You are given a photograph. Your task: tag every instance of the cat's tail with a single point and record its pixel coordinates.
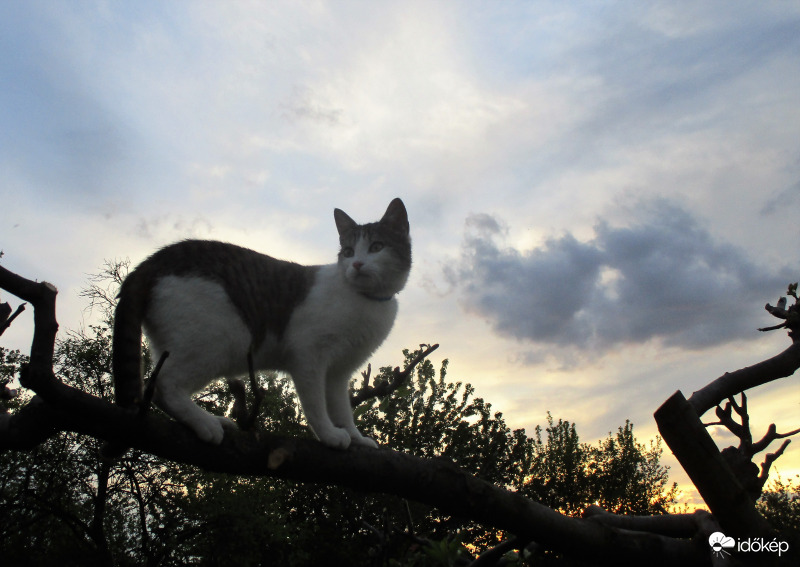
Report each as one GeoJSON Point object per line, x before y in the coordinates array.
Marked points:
{"type": "Point", "coordinates": [126, 357]}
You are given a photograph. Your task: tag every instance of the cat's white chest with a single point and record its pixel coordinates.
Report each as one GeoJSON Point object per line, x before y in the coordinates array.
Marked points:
{"type": "Point", "coordinates": [338, 325]}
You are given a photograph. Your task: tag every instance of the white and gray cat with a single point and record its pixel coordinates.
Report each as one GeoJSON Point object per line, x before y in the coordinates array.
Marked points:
{"type": "Point", "coordinates": [208, 303]}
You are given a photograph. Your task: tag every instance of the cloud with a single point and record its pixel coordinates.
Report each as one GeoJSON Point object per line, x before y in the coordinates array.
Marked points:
{"type": "Point", "coordinates": [784, 199]}
{"type": "Point", "coordinates": [304, 104]}
{"type": "Point", "coordinates": [661, 277]}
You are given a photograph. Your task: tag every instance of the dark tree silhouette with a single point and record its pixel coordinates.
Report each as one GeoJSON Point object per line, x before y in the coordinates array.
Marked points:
{"type": "Point", "coordinates": [600, 537]}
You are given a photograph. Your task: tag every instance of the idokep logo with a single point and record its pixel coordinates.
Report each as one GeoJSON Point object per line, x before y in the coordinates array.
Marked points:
{"type": "Point", "coordinates": [720, 544]}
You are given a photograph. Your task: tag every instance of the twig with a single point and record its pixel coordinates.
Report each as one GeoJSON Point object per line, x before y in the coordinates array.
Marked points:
{"type": "Point", "coordinates": [409, 519]}
{"type": "Point", "coordinates": [790, 314]}
{"type": "Point", "coordinates": [150, 388]}
{"type": "Point", "coordinates": [111, 450]}
{"type": "Point", "coordinates": [379, 534]}
{"type": "Point", "coordinates": [258, 392]}
{"type": "Point", "coordinates": [493, 555]}
{"type": "Point", "coordinates": [246, 420]}
{"type": "Point", "coordinates": [773, 328]}
{"type": "Point", "coordinates": [365, 375]}
{"type": "Point", "coordinates": [239, 393]}
{"type": "Point", "coordinates": [385, 388]}
{"type": "Point", "coordinates": [771, 458]}
{"type": "Point", "coordinates": [7, 322]}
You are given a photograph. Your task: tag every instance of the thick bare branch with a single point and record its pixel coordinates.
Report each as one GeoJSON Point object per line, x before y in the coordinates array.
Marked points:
{"type": "Point", "coordinates": [435, 482]}
{"type": "Point", "coordinates": [732, 383]}
{"type": "Point", "coordinates": [711, 474]}
{"type": "Point", "coordinates": [780, 366]}
{"type": "Point", "coordinates": [43, 297]}
{"type": "Point", "coordinates": [673, 525]}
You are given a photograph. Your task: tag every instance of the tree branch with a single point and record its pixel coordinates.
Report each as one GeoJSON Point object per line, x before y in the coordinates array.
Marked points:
{"type": "Point", "coordinates": [492, 556]}
{"type": "Point", "coordinates": [771, 435]}
{"type": "Point", "coordinates": [672, 525]}
{"type": "Point", "coordinates": [729, 501]}
{"type": "Point", "coordinates": [771, 458]}
{"type": "Point", "coordinates": [740, 458]}
{"type": "Point", "coordinates": [384, 388]}
{"type": "Point", "coordinates": [5, 319]}
{"type": "Point", "coordinates": [732, 383]}
{"type": "Point", "coordinates": [791, 315]}
{"type": "Point", "coordinates": [435, 482]}
{"type": "Point", "coordinates": [58, 407]}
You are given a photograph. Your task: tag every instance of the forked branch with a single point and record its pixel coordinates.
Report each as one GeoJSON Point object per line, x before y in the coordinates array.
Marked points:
{"type": "Point", "coordinates": [387, 387]}
{"type": "Point", "coordinates": [740, 458]}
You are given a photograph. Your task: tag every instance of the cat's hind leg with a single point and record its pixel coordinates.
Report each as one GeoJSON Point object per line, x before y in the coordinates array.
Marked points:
{"type": "Point", "coordinates": [185, 373]}
{"type": "Point", "coordinates": [177, 402]}
{"type": "Point", "coordinates": [195, 321]}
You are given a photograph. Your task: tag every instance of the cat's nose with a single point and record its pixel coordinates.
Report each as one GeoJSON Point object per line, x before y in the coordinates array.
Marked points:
{"type": "Point", "coordinates": [357, 265]}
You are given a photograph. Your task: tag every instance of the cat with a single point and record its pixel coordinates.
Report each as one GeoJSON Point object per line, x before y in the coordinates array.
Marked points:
{"type": "Point", "coordinates": [208, 303]}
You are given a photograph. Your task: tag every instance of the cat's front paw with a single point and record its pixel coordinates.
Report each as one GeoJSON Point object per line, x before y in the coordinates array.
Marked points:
{"type": "Point", "coordinates": [364, 441]}
{"type": "Point", "coordinates": [336, 437]}
{"type": "Point", "coordinates": [212, 430]}
{"type": "Point", "coordinates": [226, 422]}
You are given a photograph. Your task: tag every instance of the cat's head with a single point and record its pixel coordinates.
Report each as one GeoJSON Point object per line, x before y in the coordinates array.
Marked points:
{"type": "Point", "coordinates": [375, 258]}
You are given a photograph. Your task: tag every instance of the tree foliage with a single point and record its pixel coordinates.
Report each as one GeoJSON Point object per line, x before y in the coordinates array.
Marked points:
{"type": "Point", "coordinates": [618, 473]}
{"type": "Point", "coordinates": [143, 510]}
{"type": "Point", "coordinates": [780, 504]}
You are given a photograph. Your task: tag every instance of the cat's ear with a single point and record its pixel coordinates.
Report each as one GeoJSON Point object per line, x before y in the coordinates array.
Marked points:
{"type": "Point", "coordinates": [396, 216]}
{"type": "Point", "coordinates": [344, 223]}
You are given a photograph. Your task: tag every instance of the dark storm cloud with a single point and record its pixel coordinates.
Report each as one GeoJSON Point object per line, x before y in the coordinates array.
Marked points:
{"type": "Point", "coordinates": [663, 276]}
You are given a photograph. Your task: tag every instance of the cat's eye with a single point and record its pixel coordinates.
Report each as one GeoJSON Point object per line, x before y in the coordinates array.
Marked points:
{"type": "Point", "coordinates": [347, 252]}
{"type": "Point", "coordinates": [376, 247]}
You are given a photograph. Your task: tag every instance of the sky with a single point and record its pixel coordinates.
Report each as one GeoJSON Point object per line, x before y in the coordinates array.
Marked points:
{"type": "Point", "coordinates": [602, 195]}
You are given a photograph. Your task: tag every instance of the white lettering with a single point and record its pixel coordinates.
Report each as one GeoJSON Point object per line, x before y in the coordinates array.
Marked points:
{"type": "Point", "coordinates": [759, 545]}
